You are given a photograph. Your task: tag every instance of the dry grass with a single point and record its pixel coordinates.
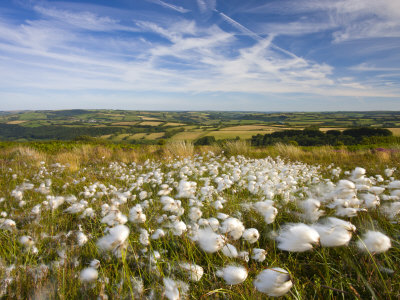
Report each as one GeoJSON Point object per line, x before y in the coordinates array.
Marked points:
{"type": "Point", "coordinates": [151, 123]}
{"type": "Point", "coordinates": [155, 135]}
{"type": "Point", "coordinates": [27, 154]}
{"type": "Point", "coordinates": [187, 135]}
{"type": "Point", "coordinates": [179, 149]}
{"type": "Point", "coordinates": [396, 131]}
{"type": "Point", "coordinates": [125, 123]}
{"type": "Point", "coordinates": [239, 147]}
{"type": "Point", "coordinates": [247, 127]}
{"type": "Point", "coordinates": [16, 122]}
{"type": "Point", "coordinates": [289, 151]}
{"type": "Point", "coordinates": [174, 124]}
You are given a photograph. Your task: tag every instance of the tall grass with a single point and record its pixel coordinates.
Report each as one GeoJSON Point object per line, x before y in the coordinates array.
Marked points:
{"type": "Point", "coordinates": [337, 273]}
{"type": "Point", "coordinates": [179, 149]}
{"type": "Point", "coordinates": [237, 147]}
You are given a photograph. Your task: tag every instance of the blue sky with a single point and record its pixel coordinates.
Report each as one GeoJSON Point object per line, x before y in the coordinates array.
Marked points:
{"type": "Point", "coordinates": [282, 55]}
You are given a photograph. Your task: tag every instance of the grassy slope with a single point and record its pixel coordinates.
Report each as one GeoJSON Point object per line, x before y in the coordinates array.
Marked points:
{"type": "Point", "coordinates": [320, 274]}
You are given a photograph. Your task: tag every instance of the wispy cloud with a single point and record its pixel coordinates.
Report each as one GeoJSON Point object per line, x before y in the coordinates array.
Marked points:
{"type": "Point", "coordinates": [83, 20]}
{"type": "Point", "coordinates": [83, 52]}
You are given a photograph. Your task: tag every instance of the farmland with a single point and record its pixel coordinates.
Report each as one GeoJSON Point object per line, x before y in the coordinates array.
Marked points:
{"type": "Point", "coordinates": [151, 126]}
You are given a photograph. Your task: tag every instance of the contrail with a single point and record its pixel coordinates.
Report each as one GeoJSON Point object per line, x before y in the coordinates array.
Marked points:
{"type": "Point", "coordinates": [171, 6]}
{"type": "Point", "coordinates": [252, 34]}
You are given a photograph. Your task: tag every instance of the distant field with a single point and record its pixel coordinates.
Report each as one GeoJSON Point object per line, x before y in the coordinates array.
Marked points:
{"type": "Point", "coordinates": [149, 118]}
{"type": "Point", "coordinates": [151, 123]}
{"type": "Point", "coordinates": [189, 135]}
{"type": "Point", "coordinates": [174, 124]}
{"type": "Point", "coordinates": [115, 124]}
{"type": "Point", "coordinates": [396, 131]}
{"type": "Point", "coordinates": [155, 135]}
{"type": "Point", "coordinates": [247, 127]}
{"type": "Point", "coordinates": [16, 122]}
{"type": "Point", "coordinates": [325, 129]}
{"type": "Point", "coordinates": [137, 136]}
{"type": "Point", "coordinates": [125, 123]}
{"type": "Point", "coordinates": [220, 135]}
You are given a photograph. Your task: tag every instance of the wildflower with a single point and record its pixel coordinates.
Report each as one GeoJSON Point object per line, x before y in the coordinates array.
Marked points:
{"type": "Point", "coordinates": [158, 234]}
{"type": "Point", "coordinates": [230, 251]}
{"type": "Point", "coordinates": [136, 214]}
{"type": "Point", "coordinates": [89, 275]}
{"type": "Point", "coordinates": [233, 227]}
{"type": "Point", "coordinates": [195, 271]}
{"type": "Point", "coordinates": [114, 239]}
{"type": "Point", "coordinates": [251, 235]}
{"type": "Point", "coordinates": [297, 238]}
{"type": "Point", "coordinates": [274, 282]}
{"type": "Point", "coordinates": [334, 232]}
{"type": "Point", "coordinates": [178, 228]}
{"type": "Point", "coordinates": [171, 290]}
{"type": "Point", "coordinates": [233, 274]}
{"type": "Point", "coordinates": [209, 241]}
{"type": "Point", "coordinates": [374, 242]}
{"type": "Point", "coordinates": [258, 254]}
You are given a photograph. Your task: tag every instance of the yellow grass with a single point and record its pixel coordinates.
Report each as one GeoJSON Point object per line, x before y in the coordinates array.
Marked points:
{"type": "Point", "coordinates": [125, 123]}
{"type": "Point", "coordinates": [155, 135]}
{"type": "Point", "coordinates": [137, 136]}
{"type": "Point", "coordinates": [151, 123]}
{"type": "Point", "coordinates": [149, 118]}
{"type": "Point", "coordinates": [123, 135]}
{"type": "Point", "coordinates": [16, 122]}
{"type": "Point", "coordinates": [188, 135]}
{"type": "Point", "coordinates": [396, 131]}
{"type": "Point", "coordinates": [324, 129]}
{"type": "Point", "coordinates": [174, 124]}
{"type": "Point", "coordinates": [178, 149]}
{"type": "Point", "coordinates": [248, 127]}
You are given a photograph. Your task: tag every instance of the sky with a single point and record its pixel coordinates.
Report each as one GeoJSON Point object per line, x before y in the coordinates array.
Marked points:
{"type": "Point", "coordinates": [250, 55]}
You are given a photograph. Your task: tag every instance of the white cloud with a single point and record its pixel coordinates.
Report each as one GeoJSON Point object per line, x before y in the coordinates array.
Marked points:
{"type": "Point", "coordinates": [350, 19]}
{"type": "Point", "coordinates": [182, 57]}
{"type": "Point", "coordinates": [83, 19]}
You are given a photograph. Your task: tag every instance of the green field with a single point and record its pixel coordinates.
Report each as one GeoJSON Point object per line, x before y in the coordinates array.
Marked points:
{"type": "Point", "coordinates": [150, 126]}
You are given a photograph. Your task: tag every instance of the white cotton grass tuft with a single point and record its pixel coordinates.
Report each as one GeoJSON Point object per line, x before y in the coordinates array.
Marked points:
{"type": "Point", "coordinates": [267, 210]}
{"type": "Point", "coordinates": [258, 254]}
{"type": "Point", "coordinates": [89, 275]}
{"type": "Point", "coordinates": [233, 274]}
{"type": "Point", "coordinates": [136, 214]}
{"type": "Point", "coordinates": [251, 235]}
{"type": "Point", "coordinates": [171, 290]}
{"type": "Point", "coordinates": [194, 271]}
{"type": "Point", "coordinates": [229, 251]}
{"type": "Point", "coordinates": [374, 242]}
{"type": "Point", "coordinates": [233, 227]}
{"type": "Point", "coordinates": [159, 233]}
{"type": "Point", "coordinates": [334, 232]}
{"type": "Point", "coordinates": [26, 241]}
{"type": "Point", "coordinates": [274, 282]}
{"type": "Point", "coordinates": [115, 238]}
{"type": "Point", "coordinates": [311, 211]}
{"type": "Point", "coordinates": [297, 238]}
{"type": "Point", "coordinates": [209, 241]}
{"type": "Point", "coordinates": [81, 238]}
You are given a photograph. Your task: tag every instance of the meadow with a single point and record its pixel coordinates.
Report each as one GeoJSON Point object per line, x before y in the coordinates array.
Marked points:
{"type": "Point", "coordinates": [227, 221]}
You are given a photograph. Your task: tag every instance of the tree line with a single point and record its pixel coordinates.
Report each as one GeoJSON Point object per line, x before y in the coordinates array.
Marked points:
{"type": "Point", "coordinates": [315, 137]}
